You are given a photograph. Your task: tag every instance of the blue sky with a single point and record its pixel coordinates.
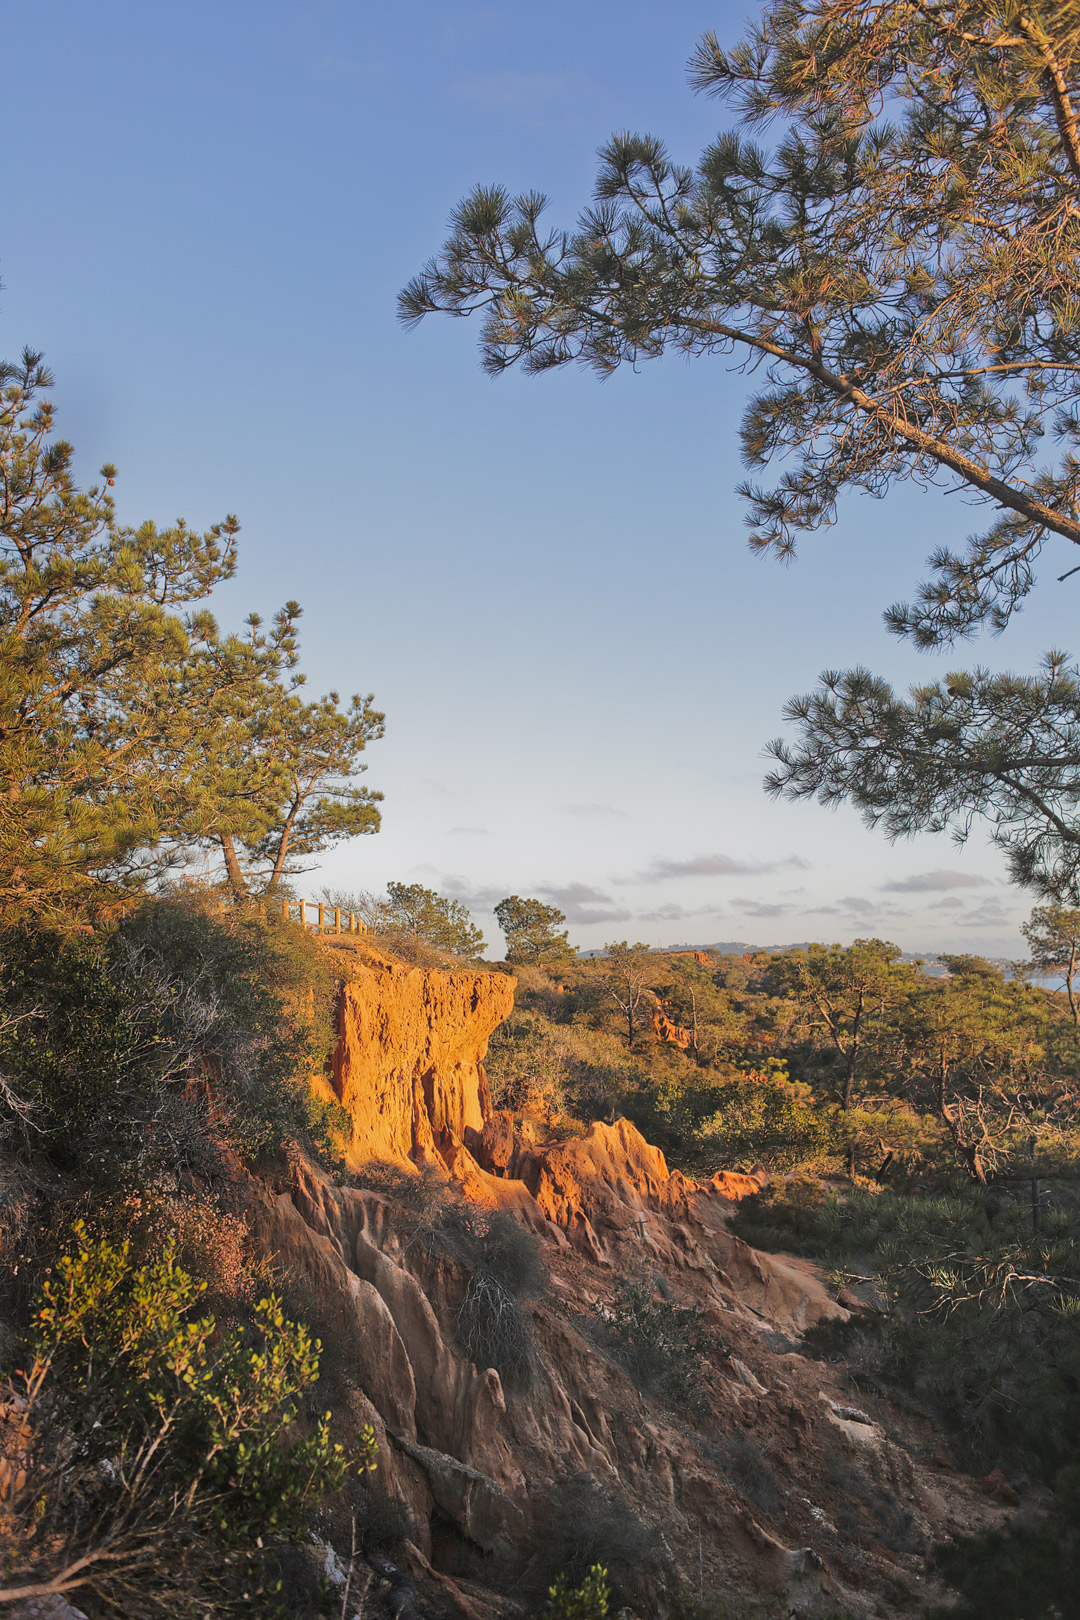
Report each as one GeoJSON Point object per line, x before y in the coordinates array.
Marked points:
{"type": "Point", "coordinates": [208, 212]}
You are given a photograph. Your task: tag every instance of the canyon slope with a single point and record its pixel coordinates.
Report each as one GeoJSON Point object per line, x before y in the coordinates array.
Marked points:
{"type": "Point", "coordinates": [776, 1478]}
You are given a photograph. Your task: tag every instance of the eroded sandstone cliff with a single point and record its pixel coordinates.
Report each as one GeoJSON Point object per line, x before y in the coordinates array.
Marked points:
{"type": "Point", "coordinates": [479, 1465]}
{"type": "Point", "coordinates": [409, 1062]}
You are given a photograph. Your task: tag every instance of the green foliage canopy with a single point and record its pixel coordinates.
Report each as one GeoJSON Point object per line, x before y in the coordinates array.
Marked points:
{"type": "Point", "coordinates": [628, 970]}
{"type": "Point", "coordinates": [1003, 748]}
{"type": "Point", "coordinates": [843, 992]}
{"type": "Point", "coordinates": [1053, 936]}
{"type": "Point", "coordinates": [278, 773]}
{"type": "Point", "coordinates": [154, 1432]}
{"type": "Point", "coordinates": [900, 261]}
{"type": "Point", "coordinates": [432, 917]}
{"type": "Point", "coordinates": [130, 735]}
{"type": "Point", "coordinates": [533, 930]}
{"type": "Point", "coordinates": [94, 735]}
{"type": "Point", "coordinates": [900, 266]}
{"type": "Point", "coordinates": [109, 1041]}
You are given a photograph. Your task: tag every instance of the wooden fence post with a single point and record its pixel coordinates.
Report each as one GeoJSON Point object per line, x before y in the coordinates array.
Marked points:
{"type": "Point", "coordinates": [337, 919]}
{"type": "Point", "coordinates": [303, 913]}
{"type": "Point", "coordinates": [322, 920]}
{"type": "Point", "coordinates": [285, 910]}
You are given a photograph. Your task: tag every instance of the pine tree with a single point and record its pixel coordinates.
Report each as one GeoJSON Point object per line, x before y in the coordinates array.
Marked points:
{"type": "Point", "coordinates": [901, 268]}
{"type": "Point", "coordinates": [532, 930]}
{"type": "Point", "coordinates": [93, 736]}
{"type": "Point", "coordinates": [131, 736]}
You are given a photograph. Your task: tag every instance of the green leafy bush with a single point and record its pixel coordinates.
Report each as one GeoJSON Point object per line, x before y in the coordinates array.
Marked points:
{"type": "Point", "coordinates": [148, 1429]}
{"type": "Point", "coordinates": [980, 1313]}
{"type": "Point", "coordinates": [1028, 1569]}
{"type": "Point", "coordinates": [664, 1347]}
{"type": "Point", "coordinates": [765, 1118]}
{"type": "Point", "coordinates": [526, 1070]}
{"type": "Point", "coordinates": [112, 1045]}
{"type": "Point", "coordinates": [589, 1601]}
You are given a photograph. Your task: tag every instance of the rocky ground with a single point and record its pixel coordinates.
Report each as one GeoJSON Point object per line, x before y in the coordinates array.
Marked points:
{"type": "Point", "coordinates": [777, 1477]}
{"type": "Point", "coordinates": [761, 1481]}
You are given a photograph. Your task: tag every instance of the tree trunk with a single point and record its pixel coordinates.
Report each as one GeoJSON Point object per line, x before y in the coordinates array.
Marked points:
{"type": "Point", "coordinates": [232, 867]}
{"type": "Point", "coordinates": [883, 1168]}
{"type": "Point", "coordinates": [968, 1152]}
{"type": "Point", "coordinates": [849, 1091]}
{"type": "Point", "coordinates": [284, 840]}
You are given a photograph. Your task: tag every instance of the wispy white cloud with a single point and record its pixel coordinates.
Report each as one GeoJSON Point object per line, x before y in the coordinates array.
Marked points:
{"type": "Point", "coordinates": [715, 865]}
{"type": "Point", "coordinates": [673, 912]}
{"type": "Point", "coordinates": [991, 913]}
{"type": "Point", "coordinates": [762, 908]}
{"type": "Point", "coordinates": [935, 882]}
{"type": "Point", "coordinates": [852, 905]}
{"type": "Point", "coordinates": [607, 811]}
{"type": "Point", "coordinates": [582, 904]}
{"type": "Point", "coordinates": [476, 896]}
{"type": "Point", "coordinates": [431, 784]}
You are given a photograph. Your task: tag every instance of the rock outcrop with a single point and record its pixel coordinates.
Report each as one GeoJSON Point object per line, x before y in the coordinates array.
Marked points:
{"type": "Point", "coordinates": [738, 1490]}
{"type": "Point", "coordinates": [409, 1062]}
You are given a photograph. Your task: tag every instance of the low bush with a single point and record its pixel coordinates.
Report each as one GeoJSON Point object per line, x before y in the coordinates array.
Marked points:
{"type": "Point", "coordinates": [210, 1243]}
{"type": "Point", "coordinates": [1028, 1569]}
{"type": "Point", "coordinates": [665, 1348]}
{"type": "Point", "coordinates": [504, 1259]}
{"type": "Point", "coordinates": [157, 1457]}
{"type": "Point", "coordinates": [586, 1525]}
{"type": "Point", "coordinates": [494, 1331]}
{"type": "Point", "coordinates": [526, 1070]}
{"type": "Point", "coordinates": [979, 1312]}
{"type": "Point", "coordinates": [589, 1601]}
{"type": "Point", "coordinates": [177, 1033]}
{"type": "Point", "coordinates": [750, 1472]}
{"type": "Point", "coordinates": [383, 1524]}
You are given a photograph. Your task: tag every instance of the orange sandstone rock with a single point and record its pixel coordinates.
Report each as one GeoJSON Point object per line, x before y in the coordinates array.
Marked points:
{"type": "Point", "coordinates": [673, 1034]}
{"type": "Point", "coordinates": [409, 1063]}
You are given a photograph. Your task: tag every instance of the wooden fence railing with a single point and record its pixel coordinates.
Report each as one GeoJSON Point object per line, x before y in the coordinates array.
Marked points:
{"type": "Point", "coordinates": [326, 919]}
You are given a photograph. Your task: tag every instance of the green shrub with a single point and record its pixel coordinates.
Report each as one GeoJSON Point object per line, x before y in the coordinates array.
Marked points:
{"type": "Point", "coordinates": [980, 1314]}
{"type": "Point", "coordinates": [589, 1601]}
{"type": "Point", "coordinates": [149, 1428]}
{"type": "Point", "coordinates": [664, 1347]}
{"type": "Point", "coordinates": [767, 1118]}
{"type": "Point", "coordinates": [526, 1070]}
{"type": "Point", "coordinates": [586, 1525]}
{"type": "Point", "coordinates": [172, 1032]}
{"type": "Point", "coordinates": [1028, 1569]}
